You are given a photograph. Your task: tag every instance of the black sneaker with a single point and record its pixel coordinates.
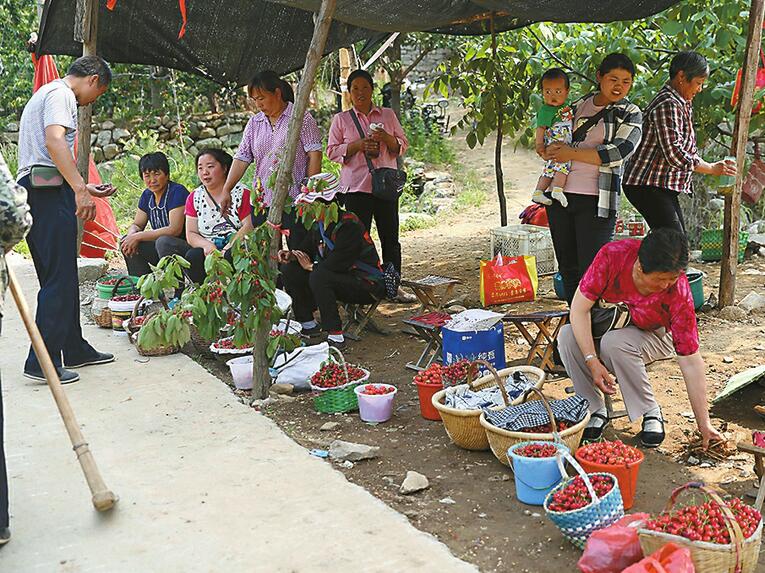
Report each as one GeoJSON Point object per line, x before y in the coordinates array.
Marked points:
{"type": "Point", "coordinates": [312, 332]}
{"type": "Point", "coordinates": [341, 346]}
{"type": "Point", "coordinates": [5, 535]}
{"type": "Point", "coordinates": [599, 423]}
{"type": "Point", "coordinates": [66, 376]}
{"type": "Point", "coordinates": [652, 439]}
{"type": "Point", "coordinates": [99, 358]}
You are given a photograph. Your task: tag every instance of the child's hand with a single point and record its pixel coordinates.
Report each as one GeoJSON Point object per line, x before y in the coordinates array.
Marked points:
{"type": "Point", "coordinates": [542, 152]}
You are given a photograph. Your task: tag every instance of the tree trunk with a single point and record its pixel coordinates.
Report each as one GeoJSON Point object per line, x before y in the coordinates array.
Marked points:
{"type": "Point", "coordinates": [738, 148]}
{"type": "Point", "coordinates": [88, 27]}
{"type": "Point", "coordinates": [396, 79]}
{"type": "Point", "coordinates": [155, 87]}
{"type": "Point", "coordinates": [261, 377]}
{"type": "Point", "coordinates": [498, 147]}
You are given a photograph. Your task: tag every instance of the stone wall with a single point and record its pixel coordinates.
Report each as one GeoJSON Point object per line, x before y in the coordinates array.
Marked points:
{"type": "Point", "coordinates": [108, 140]}
{"type": "Point", "coordinates": [425, 71]}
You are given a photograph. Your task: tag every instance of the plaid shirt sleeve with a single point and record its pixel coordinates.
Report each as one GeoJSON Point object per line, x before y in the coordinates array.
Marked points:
{"type": "Point", "coordinates": [625, 140]}
{"type": "Point", "coordinates": [667, 118]}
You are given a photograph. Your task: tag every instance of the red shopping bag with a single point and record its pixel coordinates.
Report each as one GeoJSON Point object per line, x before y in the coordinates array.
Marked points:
{"type": "Point", "coordinates": [759, 84]}
{"type": "Point", "coordinates": [534, 214]}
{"type": "Point", "coordinates": [669, 559]}
{"type": "Point", "coordinates": [613, 548]}
{"type": "Point", "coordinates": [508, 279]}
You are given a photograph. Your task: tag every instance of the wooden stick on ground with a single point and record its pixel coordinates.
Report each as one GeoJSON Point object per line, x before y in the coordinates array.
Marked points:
{"type": "Point", "coordinates": [103, 498]}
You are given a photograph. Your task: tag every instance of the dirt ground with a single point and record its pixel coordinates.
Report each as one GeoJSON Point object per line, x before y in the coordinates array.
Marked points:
{"type": "Point", "coordinates": [484, 523]}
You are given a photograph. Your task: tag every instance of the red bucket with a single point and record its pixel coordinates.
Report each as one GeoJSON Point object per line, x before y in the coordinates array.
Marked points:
{"type": "Point", "coordinates": [626, 475]}
{"type": "Point", "coordinates": [425, 392]}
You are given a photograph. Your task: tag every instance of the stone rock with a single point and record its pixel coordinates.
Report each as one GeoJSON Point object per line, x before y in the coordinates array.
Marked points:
{"type": "Point", "coordinates": [93, 138]}
{"type": "Point", "coordinates": [436, 176]}
{"type": "Point", "coordinates": [120, 134]}
{"type": "Point", "coordinates": [224, 129]}
{"type": "Point", "coordinates": [90, 270]}
{"type": "Point", "coordinates": [447, 501]}
{"type": "Point", "coordinates": [168, 121]}
{"type": "Point", "coordinates": [732, 313]}
{"type": "Point", "coordinates": [693, 461]}
{"type": "Point", "coordinates": [98, 154]}
{"type": "Point", "coordinates": [282, 388]}
{"type": "Point", "coordinates": [12, 137]}
{"type": "Point", "coordinates": [341, 451]}
{"type": "Point", "coordinates": [104, 138]}
{"type": "Point", "coordinates": [727, 360]}
{"type": "Point", "coordinates": [262, 403]}
{"type": "Point", "coordinates": [107, 125]}
{"type": "Point", "coordinates": [209, 142]}
{"type": "Point", "coordinates": [752, 302]}
{"type": "Point", "coordinates": [285, 398]}
{"type": "Point", "coordinates": [232, 139]}
{"type": "Point", "coordinates": [413, 482]}
{"type": "Point", "coordinates": [329, 426]}
{"type": "Point", "coordinates": [716, 204]}
{"type": "Point", "coordinates": [154, 122]}
{"type": "Point", "coordinates": [12, 127]}
{"type": "Point", "coordinates": [111, 150]}
{"type": "Point", "coordinates": [193, 150]}
{"type": "Point", "coordinates": [347, 464]}
{"type": "Point", "coordinates": [194, 130]}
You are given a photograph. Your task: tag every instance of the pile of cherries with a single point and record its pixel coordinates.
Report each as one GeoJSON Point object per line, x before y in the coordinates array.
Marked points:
{"type": "Point", "coordinates": [576, 495]}
{"type": "Point", "coordinates": [138, 321]}
{"type": "Point", "coordinates": [547, 428]}
{"type": "Point", "coordinates": [228, 344]}
{"type": "Point", "coordinates": [705, 522]}
{"type": "Point", "coordinates": [615, 453]}
{"type": "Point", "coordinates": [377, 390]}
{"type": "Point", "coordinates": [126, 297]}
{"type": "Point", "coordinates": [536, 451]}
{"type": "Point", "coordinates": [444, 375]}
{"type": "Point", "coordinates": [332, 375]}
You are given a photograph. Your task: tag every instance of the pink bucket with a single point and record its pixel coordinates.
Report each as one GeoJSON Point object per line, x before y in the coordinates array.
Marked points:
{"type": "Point", "coordinates": [375, 407]}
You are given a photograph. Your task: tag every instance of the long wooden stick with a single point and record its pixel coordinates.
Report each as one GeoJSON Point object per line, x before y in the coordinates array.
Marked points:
{"type": "Point", "coordinates": [738, 148]}
{"type": "Point", "coordinates": [103, 498]}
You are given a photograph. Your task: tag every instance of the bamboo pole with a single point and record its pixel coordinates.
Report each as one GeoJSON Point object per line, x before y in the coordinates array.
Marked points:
{"type": "Point", "coordinates": [345, 71]}
{"type": "Point", "coordinates": [87, 25]}
{"type": "Point", "coordinates": [738, 148]}
{"type": "Point", "coordinates": [261, 376]}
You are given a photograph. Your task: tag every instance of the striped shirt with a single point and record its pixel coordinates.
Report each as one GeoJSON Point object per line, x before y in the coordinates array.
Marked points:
{"type": "Point", "coordinates": [623, 124]}
{"type": "Point", "coordinates": [264, 144]}
{"type": "Point", "coordinates": [668, 154]}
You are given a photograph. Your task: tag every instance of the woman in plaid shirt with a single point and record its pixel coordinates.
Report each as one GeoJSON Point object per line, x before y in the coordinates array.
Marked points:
{"type": "Point", "coordinates": [663, 165]}
{"type": "Point", "coordinates": [607, 130]}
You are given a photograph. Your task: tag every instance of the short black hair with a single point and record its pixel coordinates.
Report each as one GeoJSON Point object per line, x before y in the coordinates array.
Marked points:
{"type": "Point", "coordinates": [156, 161]}
{"type": "Point", "coordinates": [356, 74]}
{"type": "Point", "coordinates": [664, 250]}
{"type": "Point", "coordinates": [222, 157]}
{"type": "Point", "coordinates": [91, 66]}
{"type": "Point", "coordinates": [270, 81]}
{"type": "Point", "coordinates": [555, 74]}
{"type": "Point", "coordinates": [616, 61]}
{"type": "Point", "coordinates": [692, 64]}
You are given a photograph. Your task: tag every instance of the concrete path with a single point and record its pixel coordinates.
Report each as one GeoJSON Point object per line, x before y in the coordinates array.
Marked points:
{"type": "Point", "coordinates": [206, 484]}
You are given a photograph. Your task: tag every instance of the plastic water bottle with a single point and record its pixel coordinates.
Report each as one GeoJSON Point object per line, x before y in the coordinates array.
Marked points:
{"type": "Point", "coordinates": [725, 182]}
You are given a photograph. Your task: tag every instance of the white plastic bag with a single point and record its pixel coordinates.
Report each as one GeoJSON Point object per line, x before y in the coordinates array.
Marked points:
{"type": "Point", "coordinates": [298, 366]}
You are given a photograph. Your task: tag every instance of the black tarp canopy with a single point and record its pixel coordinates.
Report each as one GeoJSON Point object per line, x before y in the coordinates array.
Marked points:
{"type": "Point", "coordinates": [229, 40]}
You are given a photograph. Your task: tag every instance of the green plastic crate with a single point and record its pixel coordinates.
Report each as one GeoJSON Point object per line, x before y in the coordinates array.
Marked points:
{"type": "Point", "coordinates": [712, 244]}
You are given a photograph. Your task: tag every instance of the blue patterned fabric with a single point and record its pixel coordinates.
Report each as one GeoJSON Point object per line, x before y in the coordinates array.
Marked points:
{"type": "Point", "coordinates": [534, 413]}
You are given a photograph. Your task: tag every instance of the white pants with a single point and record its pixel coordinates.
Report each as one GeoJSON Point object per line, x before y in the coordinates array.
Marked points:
{"type": "Point", "coordinates": [625, 352]}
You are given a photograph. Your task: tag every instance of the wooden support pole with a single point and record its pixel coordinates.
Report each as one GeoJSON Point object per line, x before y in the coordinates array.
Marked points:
{"type": "Point", "coordinates": [86, 27]}
{"type": "Point", "coordinates": [345, 71]}
{"type": "Point", "coordinates": [738, 148]}
{"type": "Point", "coordinates": [500, 177]}
{"type": "Point", "coordinates": [261, 377]}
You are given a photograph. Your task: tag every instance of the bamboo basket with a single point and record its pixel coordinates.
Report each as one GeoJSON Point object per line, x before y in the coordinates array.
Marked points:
{"type": "Point", "coordinates": [500, 440]}
{"type": "Point", "coordinates": [741, 556]}
{"type": "Point", "coordinates": [463, 426]}
{"type": "Point", "coordinates": [159, 350]}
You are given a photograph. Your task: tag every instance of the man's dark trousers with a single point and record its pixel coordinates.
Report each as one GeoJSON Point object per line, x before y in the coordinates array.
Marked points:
{"type": "Point", "coordinates": [4, 519]}
{"type": "Point", "coordinates": [53, 245]}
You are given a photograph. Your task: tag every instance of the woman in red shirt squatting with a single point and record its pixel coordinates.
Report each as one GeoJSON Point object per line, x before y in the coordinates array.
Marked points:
{"type": "Point", "coordinates": [649, 277]}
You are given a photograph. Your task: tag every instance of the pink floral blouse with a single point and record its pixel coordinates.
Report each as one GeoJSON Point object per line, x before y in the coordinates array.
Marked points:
{"type": "Point", "coordinates": [354, 174]}
{"type": "Point", "coordinates": [610, 278]}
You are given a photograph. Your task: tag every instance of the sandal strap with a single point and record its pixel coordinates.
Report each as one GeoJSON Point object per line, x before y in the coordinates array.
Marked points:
{"type": "Point", "coordinates": [657, 418]}
{"type": "Point", "coordinates": [598, 416]}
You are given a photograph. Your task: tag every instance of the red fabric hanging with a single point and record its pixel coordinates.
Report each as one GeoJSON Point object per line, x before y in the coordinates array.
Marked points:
{"type": "Point", "coordinates": [100, 234]}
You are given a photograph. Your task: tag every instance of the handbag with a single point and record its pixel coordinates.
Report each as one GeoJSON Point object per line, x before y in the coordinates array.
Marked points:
{"type": "Point", "coordinates": [45, 177]}
{"type": "Point", "coordinates": [608, 318]}
{"type": "Point", "coordinates": [387, 183]}
{"type": "Point", "coordinates": [581, 132]}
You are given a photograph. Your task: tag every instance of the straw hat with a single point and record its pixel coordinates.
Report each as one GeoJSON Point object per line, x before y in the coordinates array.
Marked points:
{"type": "Point", "coordinates": [320, 186]}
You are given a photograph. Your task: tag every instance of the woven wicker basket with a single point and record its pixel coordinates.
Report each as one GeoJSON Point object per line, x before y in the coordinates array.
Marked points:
{"type": "Point", "coordinates": [500, 440]}
{"type": "Point", "coordinates": [339, 399]}
{"type": "Point", "coordinates": [101, 313]}
{"type": "Point", "coordinates": [578, 524]}
{"type": "Point", "coordinates": [741, 556]}
{"type": "Point", "coordinates": [463, 426]}
{"type": "Point", "coordinates": [200, 343]}
{"type": "Point", "coordinates": [158, 351]}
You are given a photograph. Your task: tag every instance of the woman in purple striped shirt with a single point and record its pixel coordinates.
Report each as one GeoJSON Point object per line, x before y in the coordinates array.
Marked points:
{"type": "Point", "coordinates": [263, 142]}
{"type": "Point", "coordinates": [663, 166]}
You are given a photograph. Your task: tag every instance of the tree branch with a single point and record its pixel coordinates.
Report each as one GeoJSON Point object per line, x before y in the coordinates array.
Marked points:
{"type": "Point", "coordinates": [557, 59]}
{"type": "Point", "coordinates": [416, 61]}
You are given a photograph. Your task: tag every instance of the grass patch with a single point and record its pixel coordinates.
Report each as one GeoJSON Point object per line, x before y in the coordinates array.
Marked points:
{"type": "Point", "coordinates": [473, 195]}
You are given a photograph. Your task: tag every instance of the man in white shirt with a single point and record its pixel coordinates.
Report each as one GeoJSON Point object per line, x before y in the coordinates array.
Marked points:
{"type": "Point", "coordinates": [46, 144]}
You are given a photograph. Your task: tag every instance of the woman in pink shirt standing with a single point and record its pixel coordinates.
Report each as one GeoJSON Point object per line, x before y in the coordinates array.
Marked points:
{"type": "Point", "coordinates": [648, 277]}
{"type": "Point", "coordinates": [382, 140]}
{"type": "Point", "coordinates": [263, 143]}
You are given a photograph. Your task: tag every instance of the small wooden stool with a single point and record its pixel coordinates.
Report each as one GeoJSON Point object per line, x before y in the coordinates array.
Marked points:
{"type": "Point", "coordinates": [357, 318]}
{"type": "Point", "coordinates": [548, 324]}
{"type": "Point", "coordinates": [428, 328]}
{"type": "Point", "coordinates": [426, 290]}
{"type": "Point", "coordinates": [759, 469]}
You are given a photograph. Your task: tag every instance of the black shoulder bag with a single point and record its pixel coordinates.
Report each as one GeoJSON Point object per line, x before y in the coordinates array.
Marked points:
{"type": "Point", "coordinates": [581, 132]}
{"type": "Point", "coordinates": [387, 183]}
{"type": "Point", "coordinates": [608, 318]}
